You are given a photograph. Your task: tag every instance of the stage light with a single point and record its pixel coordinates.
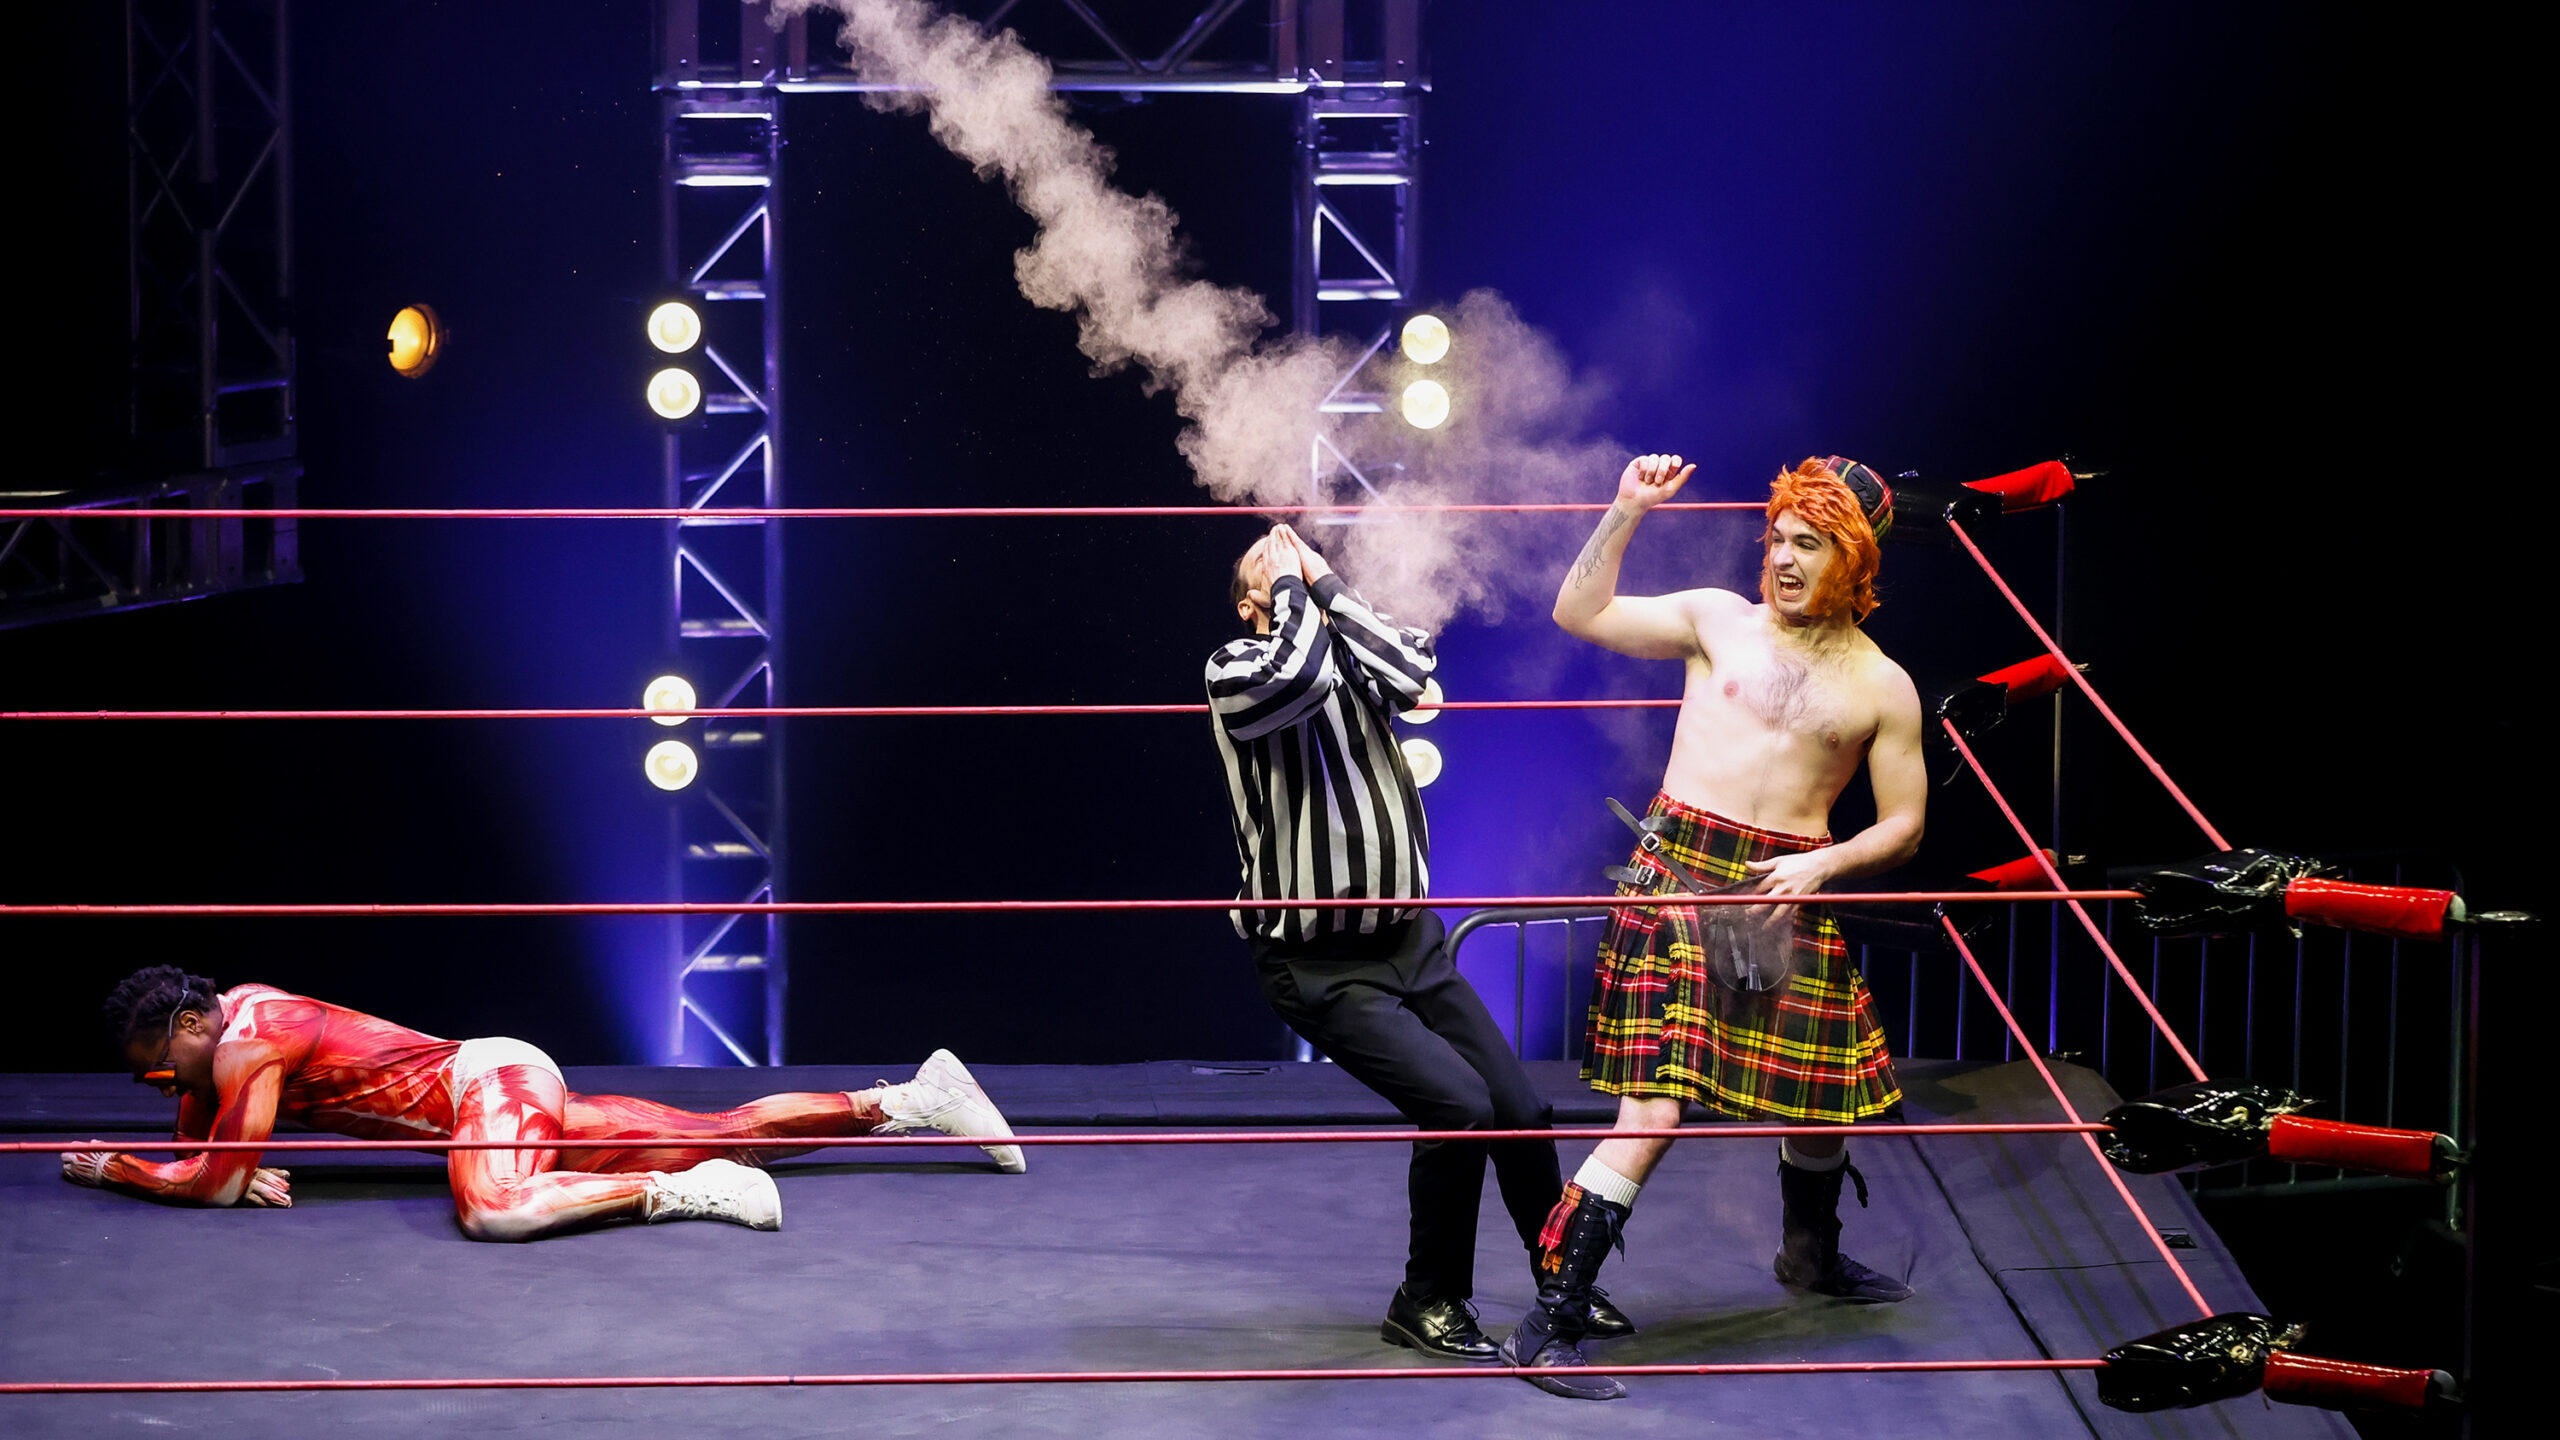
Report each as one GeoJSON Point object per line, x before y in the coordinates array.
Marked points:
{"type": "Point", "coordinates": [1422, 758]}
{"type": "Point", "coordinates": [668, 692]}
{"type": "Point", "coordinates": [674, 393]}
{"type": "Point", "coordinates": [1425, 339]}
{"type": "Point", "coordinates": [671, 765]}
{"type": "Point", "coordinates": [674, 327]}
{"type": "Point", "coordinates": [1430, 696]}
{"type": "Point", "coordinates": [1425, 404]}
{"type": "Point", "coordinates": [417, 338]}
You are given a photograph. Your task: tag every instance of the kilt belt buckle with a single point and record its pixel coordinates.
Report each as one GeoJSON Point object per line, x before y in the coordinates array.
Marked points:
{"type": "Point", "coordinates": [1649, 841]}
{"type": "Point", "coordinates": [1740, 955]}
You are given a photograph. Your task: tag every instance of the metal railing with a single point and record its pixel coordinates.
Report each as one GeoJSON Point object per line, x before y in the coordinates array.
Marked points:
{"type": "Point", "coordinates": [2376, 1031]}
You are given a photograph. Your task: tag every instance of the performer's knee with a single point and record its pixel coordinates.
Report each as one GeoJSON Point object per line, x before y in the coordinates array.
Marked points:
{"type": "Point", "coordinates": [1534, 1114]}
{"type": "Point", "coordinates": [505, 1223]}
{"type": "Point", "coordinates": [1814, 1147]}
{"type": "Point", "coordinates": [1467, 1110]}
{"type": "Point", "coordinates": [1539, 1118]}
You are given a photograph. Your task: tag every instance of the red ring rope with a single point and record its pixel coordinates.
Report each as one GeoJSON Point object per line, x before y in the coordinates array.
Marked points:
{"type": "Point", "coordinates": [2044, 861]}
{"type": "Point", "coordinates": [981, 907]}
{"type": "Point", "coordinates": [1170, 1137]}
{"type": "Point", "coordinates": [2027, 1048]}
{"type": "Point", "coordinates": [2091, 691]}
{"type": "Point", "coordinates": [1024, 1377]}
{"type": "Point", "coordinates": [2086, 1131]}
{"type": "Point", "coordinates": [742, 712]}
{"type": "Point", "coordinates": [827, 512]}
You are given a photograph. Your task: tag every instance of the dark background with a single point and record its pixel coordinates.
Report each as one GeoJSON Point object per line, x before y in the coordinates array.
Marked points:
{"type": "Point", "coordinates": [2261, 262]}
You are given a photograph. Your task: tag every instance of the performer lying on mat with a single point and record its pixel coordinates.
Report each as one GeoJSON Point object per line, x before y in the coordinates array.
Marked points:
{"type": "Point", "coordinates": [238, 1059]}
{"type": "Point", "coordinates": [1325, 808]}
{"type": "Point", "coordinates": [1753, 1012]}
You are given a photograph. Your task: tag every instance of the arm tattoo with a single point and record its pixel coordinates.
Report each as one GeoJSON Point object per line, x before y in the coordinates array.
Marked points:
{"type": "Point", "coordinates": [1587, 564]}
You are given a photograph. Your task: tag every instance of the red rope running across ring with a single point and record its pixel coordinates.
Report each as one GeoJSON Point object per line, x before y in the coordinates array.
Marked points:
{"type": "Point", "coordinates": [2090, 690]}
{"type": "Point", "coordinates": [827, 512]}
{"type": "Point", "coordinates": [981, 907]}
{"type": "Point", "coordinates": [2037, 852]}
{"type": "Point", "coordinates": [1020, 1377]}
{"type": "Point", "coordinates": [2076, 1125]}
{"type": "Point", "coordinates": [2027, 1048]}
{"type": "Point", "coordinates": [1170, 1137]}
{"type": "Point", "coordinates": [742, 712]}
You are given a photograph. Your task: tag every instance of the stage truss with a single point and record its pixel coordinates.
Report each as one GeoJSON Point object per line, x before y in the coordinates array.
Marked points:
{"type": "Point", "coordinates": [1355, 75]}
{"type": "Point", "coordinates": [208, 148]}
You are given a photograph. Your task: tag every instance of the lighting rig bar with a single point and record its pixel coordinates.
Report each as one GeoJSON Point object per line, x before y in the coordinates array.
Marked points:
{"type": "Point", "coordinates": [1355, 74]}
{"type": "Point", "coordinates": [208, 141]}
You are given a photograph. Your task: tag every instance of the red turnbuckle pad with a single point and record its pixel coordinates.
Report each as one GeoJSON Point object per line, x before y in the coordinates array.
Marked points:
{"type": "Point", "coordinates": [2411, 1153]}
{"type": "Point", "coordinates": [2397, 910]}
{"type": "Point", "coordinates": [2029, 679]}
{"type": "Point", "coordinates": [2026, 873]}
{"type": "Point", "coordinates": [2028, 489]}
{"type": "Point", "coordinates": [2343, 1384]}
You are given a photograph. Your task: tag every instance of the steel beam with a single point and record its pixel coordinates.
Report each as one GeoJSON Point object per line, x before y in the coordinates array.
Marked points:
{"type": "Point", "coordinates": [209, 154]}
{"type": "Point", "coordinates": [208, 141]}
{"type": "Point", "coordinates": [721, 248]}
{"type": "Point", "coordinates": [723, 69]}
{"type": "Point", "coordinates": [1357, 245]}
{"type": "Point", "coordinates": [143, 547]}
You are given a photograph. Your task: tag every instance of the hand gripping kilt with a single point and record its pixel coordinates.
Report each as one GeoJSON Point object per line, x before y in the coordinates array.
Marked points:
{"type": "Point", "coordinates": [1659, 1027]}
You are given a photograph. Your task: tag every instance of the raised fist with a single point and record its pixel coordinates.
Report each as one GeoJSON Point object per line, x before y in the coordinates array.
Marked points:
{"type": "Point", "coordinates": [1649, 480]}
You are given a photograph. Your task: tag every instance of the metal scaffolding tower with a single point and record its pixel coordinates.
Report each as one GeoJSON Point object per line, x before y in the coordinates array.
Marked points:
{"type": "Point", "coordinates": [209, 253]}
{"type": "Point", "coordinates": [720, 228]}
{"type": "Point", "coordinates": [1355, 72]}
{"type": "Point", "coordinates": [1358, 246]}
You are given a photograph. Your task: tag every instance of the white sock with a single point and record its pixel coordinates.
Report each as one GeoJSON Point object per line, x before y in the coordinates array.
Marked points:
{"type": "Point", "coordinates": [1598, 1179]}
{"type": "Point", "coordinates": [1788, 1152]}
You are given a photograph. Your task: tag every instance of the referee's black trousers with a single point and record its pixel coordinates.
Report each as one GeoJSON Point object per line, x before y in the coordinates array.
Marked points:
{"type": "Point", "coordinates": [1393, 1012]}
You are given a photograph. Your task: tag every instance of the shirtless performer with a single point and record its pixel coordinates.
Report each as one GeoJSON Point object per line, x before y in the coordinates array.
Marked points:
{"type": "Point", "coordinates": [238, 1059]}
{"type": "Point", "coordinates": [1754, 1012]}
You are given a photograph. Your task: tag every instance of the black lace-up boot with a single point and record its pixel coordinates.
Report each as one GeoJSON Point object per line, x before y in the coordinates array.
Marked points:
{"type": "Point", "coordinates": [1809, 1248]}
{"type": "Point", "coordinates": [1580, 1233]}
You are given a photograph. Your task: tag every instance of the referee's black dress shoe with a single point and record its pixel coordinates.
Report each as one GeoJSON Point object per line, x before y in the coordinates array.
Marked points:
{"type": "Point", "coordinates": [1446, 1328]}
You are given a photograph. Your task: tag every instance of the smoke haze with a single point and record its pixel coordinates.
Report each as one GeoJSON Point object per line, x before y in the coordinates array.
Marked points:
{"type": "Point", "coordinates": [1113, 260]}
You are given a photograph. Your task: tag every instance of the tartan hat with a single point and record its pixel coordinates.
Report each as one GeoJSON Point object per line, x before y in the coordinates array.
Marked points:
{"type": "Point", "coordinates": [1875, 497]}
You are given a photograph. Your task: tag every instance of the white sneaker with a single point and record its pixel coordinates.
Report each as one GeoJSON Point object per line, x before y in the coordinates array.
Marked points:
{"type": "Point", "coordinates": [944, 1097]}
{"type": "Point", "coordinates": [716, 1190]}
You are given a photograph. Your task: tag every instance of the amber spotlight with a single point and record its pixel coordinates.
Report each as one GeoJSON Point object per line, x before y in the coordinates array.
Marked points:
{"type": "Point", "coordinates": [417, 338]}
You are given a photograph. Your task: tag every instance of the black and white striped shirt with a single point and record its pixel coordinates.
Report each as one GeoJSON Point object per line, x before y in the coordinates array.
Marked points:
{"type": "Point", "coordinates": [1324, 806]}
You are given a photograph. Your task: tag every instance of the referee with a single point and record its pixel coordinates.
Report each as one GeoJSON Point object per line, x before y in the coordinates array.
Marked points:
{"type": "Point", "coordinates": [1324, 808]}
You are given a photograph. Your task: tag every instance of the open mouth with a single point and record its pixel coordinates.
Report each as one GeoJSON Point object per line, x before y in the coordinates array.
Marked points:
{"type": "Point", "coordinates": [1790, 586]}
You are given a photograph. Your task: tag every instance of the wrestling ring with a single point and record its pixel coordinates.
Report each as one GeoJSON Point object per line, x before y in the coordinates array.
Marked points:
{"type": "Point", "coordinates": [911, 1284]}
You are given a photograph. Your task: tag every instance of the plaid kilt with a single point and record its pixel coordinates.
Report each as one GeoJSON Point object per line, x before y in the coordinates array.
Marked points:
{"type": "Point", "coordinates": [1659, 1027]}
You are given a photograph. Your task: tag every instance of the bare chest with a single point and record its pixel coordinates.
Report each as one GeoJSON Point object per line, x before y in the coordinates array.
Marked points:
{"type": "Point", "coordinates": [1785, 695]}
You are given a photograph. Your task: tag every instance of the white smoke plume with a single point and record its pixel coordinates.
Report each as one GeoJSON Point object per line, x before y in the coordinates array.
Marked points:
{"type": "Point", "coordinates": [1113, 261]}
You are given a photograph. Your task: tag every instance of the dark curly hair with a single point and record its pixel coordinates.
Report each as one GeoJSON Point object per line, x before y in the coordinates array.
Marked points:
{"type": "Point", "coordinates": [146, 999]}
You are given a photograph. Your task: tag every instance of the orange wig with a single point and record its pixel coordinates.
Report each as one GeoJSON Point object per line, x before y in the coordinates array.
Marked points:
{"type": "Point", "coordinates": [1821, 501]}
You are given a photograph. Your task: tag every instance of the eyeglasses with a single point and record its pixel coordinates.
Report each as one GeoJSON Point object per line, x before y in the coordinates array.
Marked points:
{"type": "Point", "coordinates": [161, 1073]}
